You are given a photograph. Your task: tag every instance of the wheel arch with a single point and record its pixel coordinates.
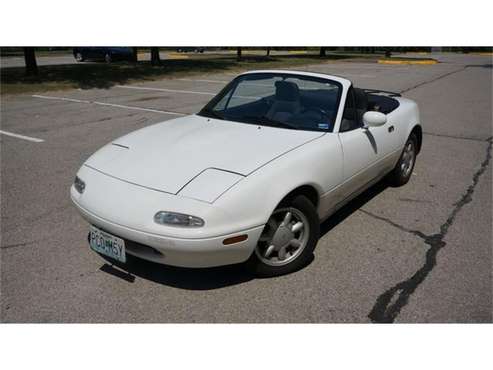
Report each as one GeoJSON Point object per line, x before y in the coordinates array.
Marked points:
{"type": "Point", "coordinates": [309, 191]}
{"type": "Point", "coordinates": [418, 131]}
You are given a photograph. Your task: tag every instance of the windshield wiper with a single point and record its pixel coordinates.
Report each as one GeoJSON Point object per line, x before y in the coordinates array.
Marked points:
{"type": "Point", "coordinates": [263, 120]}
{"type": "Point", "coordinates": [279, 123]}
{"type": "Point", "coordinates": [211, 113]}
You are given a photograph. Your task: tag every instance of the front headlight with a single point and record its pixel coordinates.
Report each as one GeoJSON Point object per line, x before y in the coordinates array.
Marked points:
{"type": "Point", "coordinates": [177, 219]}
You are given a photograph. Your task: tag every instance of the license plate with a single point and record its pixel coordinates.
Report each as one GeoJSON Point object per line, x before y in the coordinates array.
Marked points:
{"type": "Point", "coordinates": [107, 244]}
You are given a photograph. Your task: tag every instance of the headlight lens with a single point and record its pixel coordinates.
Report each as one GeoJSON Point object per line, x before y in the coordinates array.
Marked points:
{"type": "Point", "coordinates": [79, 185]}
{"type": "Point", "coordinates": [177, 219]}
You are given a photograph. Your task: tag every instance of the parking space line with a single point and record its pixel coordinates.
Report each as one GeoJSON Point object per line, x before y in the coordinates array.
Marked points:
{"type": "Point", "coordinates": [61, 98]}
{"type": "Point", "coordinates": [165, 90]}
{"type": "Point", "coordinates": [139, 108]}
{"type": "Point", "coordinates": [28, 138]}
{"type": "Point", "coordinates": [358, 75]}
{"type": "Point", "coordinates": [108, 104]}
{"type": "Point", "coordinates": [211, 81]}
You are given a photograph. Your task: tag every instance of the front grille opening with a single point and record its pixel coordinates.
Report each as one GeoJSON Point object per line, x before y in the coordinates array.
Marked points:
{"type": "Point", "coordinates": [138, 248]}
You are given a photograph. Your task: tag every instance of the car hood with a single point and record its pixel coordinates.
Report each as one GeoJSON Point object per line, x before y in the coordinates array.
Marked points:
{"type": "Point", "coordinates": [168, 155]}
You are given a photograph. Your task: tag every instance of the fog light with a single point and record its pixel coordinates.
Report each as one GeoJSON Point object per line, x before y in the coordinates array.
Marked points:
{"type": "Point", "coordinates": [79, 185]}
{"type": "Point", "coordinates": [235, 239]}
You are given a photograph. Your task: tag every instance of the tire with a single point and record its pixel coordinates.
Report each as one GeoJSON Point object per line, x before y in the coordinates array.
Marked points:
{"type": "Point", "coordinates": [282, 250]}
{"type": "Point", "coordinates": [403, 170]}
{"type": "Point", "coordinates": [79, 57]}
{"type": "Point", "coordinates": [107, 58]}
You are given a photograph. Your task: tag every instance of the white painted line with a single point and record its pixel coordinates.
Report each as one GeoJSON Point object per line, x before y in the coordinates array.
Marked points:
{"type": "Point", "coordinates": [61, 98]}
{"type": "Point", "coordinates": [357, 75]}
{"type": "Point", "coordinates": [28, 138]}
{"type": "Point", "coordinates": [212, 81]}
{"type": "Point", "coordinates": [165, 90]}
{"type": "Point", "coordinates": [139, 108]}
{"type": "Point", "coordinates": [108, 104]}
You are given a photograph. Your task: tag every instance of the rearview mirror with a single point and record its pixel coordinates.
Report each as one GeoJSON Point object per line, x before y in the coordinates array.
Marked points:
{"type": "Point", "coordinates": [374, 119]}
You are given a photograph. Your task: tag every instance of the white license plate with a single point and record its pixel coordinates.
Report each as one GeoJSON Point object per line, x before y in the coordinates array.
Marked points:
{"type": "Point", "coordinates": [107, 244]}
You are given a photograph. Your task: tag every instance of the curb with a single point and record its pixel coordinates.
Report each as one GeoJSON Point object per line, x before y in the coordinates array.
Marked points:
{"type": "Point", "coordinates": [177, 56]}
{"type": "Point", "coordinates": [419, 62]}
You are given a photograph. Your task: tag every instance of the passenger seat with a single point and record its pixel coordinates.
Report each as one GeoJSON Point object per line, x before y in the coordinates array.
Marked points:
{"type": "Point", "coordinates": [287, 102]}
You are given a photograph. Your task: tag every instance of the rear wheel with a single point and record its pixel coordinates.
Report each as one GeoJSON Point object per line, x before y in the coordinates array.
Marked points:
{"type": "Point", "coordinates": [402, 171]}
{"type": "Point", "coordinates": [288, 239]}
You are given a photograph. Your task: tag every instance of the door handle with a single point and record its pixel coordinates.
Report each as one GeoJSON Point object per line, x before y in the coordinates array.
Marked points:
{"type": "Point", "coordinates": [391, 128]}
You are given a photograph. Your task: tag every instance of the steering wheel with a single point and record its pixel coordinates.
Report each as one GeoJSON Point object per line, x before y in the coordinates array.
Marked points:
{"type": "Point", "coordinates": [266, 101]}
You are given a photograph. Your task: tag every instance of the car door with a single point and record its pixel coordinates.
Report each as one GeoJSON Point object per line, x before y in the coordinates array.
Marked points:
{"type": "Point", "coordinates": [363, 148]}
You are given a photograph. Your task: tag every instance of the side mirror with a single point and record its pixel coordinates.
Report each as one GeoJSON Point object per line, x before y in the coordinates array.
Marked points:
{"type": "Point", "coordinates": [374, 119]}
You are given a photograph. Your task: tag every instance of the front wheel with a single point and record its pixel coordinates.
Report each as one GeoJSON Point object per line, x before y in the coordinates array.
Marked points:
{"type": "Point", "coordinates": [402, 171]}
{"type": "Point", "coordinates": [288, 239]}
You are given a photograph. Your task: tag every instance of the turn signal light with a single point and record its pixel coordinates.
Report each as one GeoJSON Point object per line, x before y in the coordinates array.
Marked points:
{"type": "Point", "coordinates": [235, 239]}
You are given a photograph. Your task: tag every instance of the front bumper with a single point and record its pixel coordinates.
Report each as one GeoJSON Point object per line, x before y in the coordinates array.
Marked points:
{"type": "Point", "coordinates": [202, 252]}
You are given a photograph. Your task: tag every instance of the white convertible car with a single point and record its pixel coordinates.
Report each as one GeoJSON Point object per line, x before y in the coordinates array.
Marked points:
{"type": "Point", "coordinates": [251, 176]}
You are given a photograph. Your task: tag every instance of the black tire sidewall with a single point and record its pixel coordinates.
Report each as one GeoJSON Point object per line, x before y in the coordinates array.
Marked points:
{"type": "Point", "coordinates": [397, 178]}
{"type": "Point", "coordinates": [303, 204]}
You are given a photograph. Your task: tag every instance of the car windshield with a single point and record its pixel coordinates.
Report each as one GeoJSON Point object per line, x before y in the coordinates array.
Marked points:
{"type": "Point", "coordinates": [282, 100]}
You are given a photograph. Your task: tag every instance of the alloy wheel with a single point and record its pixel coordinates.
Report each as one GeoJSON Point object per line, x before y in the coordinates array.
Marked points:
{"type": "Point", "coordinates": [407, 161]}
{"type": "Point", "coordinates": [284, 237]}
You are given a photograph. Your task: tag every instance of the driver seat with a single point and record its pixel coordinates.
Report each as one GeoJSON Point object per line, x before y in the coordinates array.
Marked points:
{"type": "Point", "coordinates": [287, 102]}
{"type": "Point", "coordinates": [361, 100]}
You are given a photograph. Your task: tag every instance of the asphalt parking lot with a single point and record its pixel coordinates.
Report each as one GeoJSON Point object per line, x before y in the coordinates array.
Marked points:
{"type": "Point", "coordinates": [419, 253]}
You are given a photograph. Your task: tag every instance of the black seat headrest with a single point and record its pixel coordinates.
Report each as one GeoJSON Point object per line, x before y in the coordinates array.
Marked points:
{"type": "Point", "coordinates": [361, 99]}
{"type": "Point", "coordinates": [287, 91]}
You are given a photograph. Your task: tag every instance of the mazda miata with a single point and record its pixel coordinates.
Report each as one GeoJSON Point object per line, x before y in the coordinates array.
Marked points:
{"type": "Point", "coordinates": [250, 177]}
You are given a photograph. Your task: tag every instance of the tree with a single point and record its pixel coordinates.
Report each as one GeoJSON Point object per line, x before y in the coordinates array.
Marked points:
{"type": "Point", "coordinates": [267, 53]}
{"type": "Point", "coordinates": [135, 57]}
{"type": "Point", "coordinates": [155, 56]}
{"type": "Point", "coordinates": [30, 60]}
{"type": "Point", "coordinates": [323, 51]}
{"type": "Point", "coordinates": [238, 54]}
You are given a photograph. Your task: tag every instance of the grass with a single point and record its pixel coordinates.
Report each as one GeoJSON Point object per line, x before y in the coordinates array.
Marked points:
{"type": "Point", "coordinates": [103, 76]}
